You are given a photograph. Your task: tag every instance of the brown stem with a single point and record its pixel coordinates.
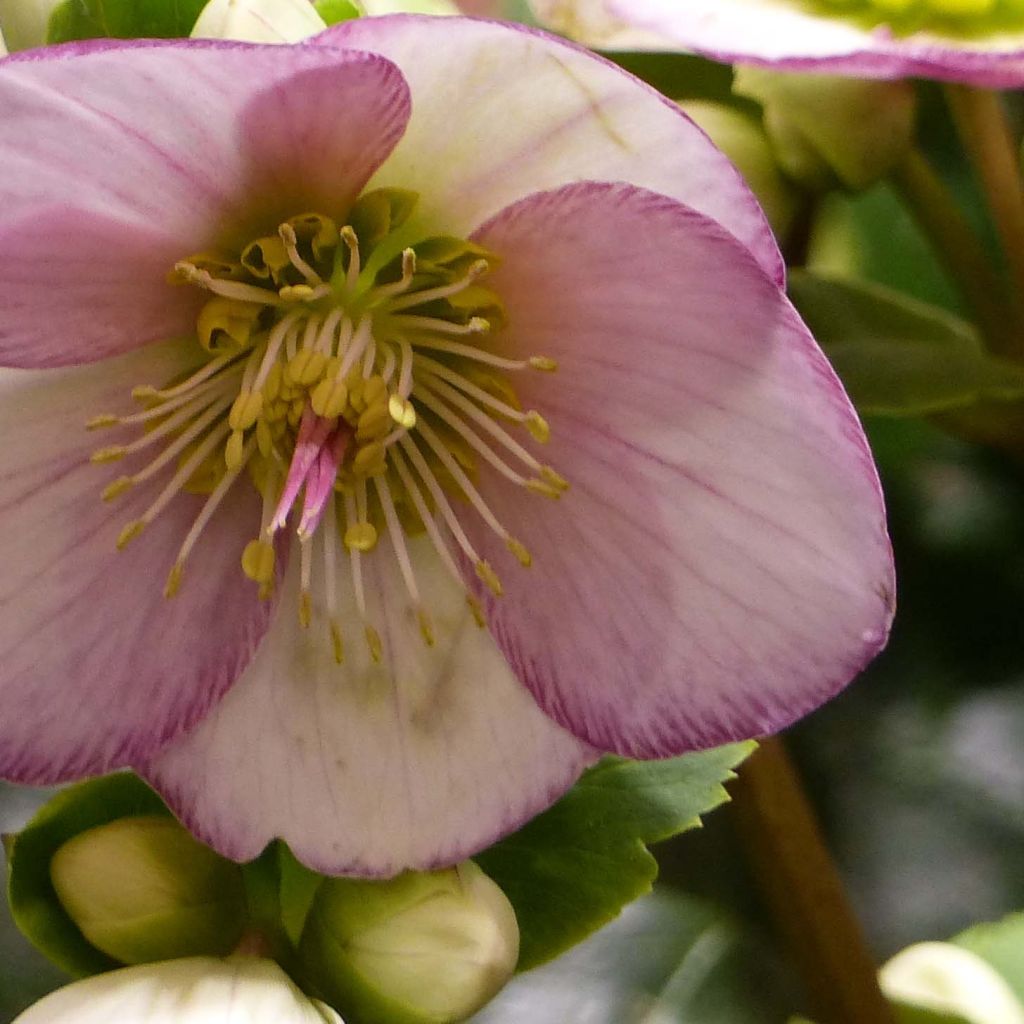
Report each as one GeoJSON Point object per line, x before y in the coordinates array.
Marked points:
{"type": "Point", "coordinates": [960, 251]}
{"type": "Point", "coordinates": [803, 891]}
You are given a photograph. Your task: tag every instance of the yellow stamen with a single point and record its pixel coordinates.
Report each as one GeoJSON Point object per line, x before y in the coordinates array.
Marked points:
{"type": "Point", "coordinates": [117, 488]}
{"type": "Point", "coordinates": [361, 537]}
{"type": "Point", "coordinates": [489, 578]}
{"type": "Point", "coordinates": [129, 533]}
{"type": "Point", "coordinates": [258, 561]}
{"type": "Point", "coordinates": [173, 584]}
{"type": "Point", "coordinates": [538, 427]}
{"type": "Point", "coordinates": [374, 643]}
{"type": "Point", "coordinates": [518, 549]}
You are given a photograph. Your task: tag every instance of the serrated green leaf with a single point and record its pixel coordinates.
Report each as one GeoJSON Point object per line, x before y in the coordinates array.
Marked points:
{"type": "Point", "coordinates": [573, 868]}
{"type": "Point", "coordinates": [333, 11]}
{"type": "Point", "coordinates": [122, 19]}
{"type": "Point", "coordinates": [35, 907]}
{"type": "Point", "coordinates": [669, 959]}
{"type": "Point", "coordinates": [1001, 944]}
{"type": "Point", "coordinates": [898, 356]}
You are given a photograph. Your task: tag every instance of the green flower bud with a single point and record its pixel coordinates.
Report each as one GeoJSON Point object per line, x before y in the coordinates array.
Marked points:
{"type": "Point", "coordinates": [423, 948]}
{"type": "Point", "coordinates": [939, 981]}
{"type": "Point", "coordinates": [825, 128]}
{"type": "Point", "coordinates": [409, 6]}
{"type": "Point", "coordinates": [23, 23]}
{"type": "Point", "coordinates": [142, 889]}
{"type": "Point", "coordinates": [744, 141]}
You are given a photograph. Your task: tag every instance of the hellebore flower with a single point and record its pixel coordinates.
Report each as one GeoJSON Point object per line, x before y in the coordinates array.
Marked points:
{"type": "Point", "coordinates": [195, 990]}
{"type": "Point", "coordinates": [980, 42]}
{"type": "Point", "coordinates": [446, 298]}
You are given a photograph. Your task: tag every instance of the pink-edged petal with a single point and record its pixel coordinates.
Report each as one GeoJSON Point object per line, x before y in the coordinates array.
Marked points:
{"type": "Point", "coordinates": [501, 111]}
{"type": "Point", "coordinates": [99, 668]}
{"type": "Point", "coordinates": [719, 565]}
{"type": "Point", "coordinates": [368, 769]}
{"type": "Point", "coordinates": [786, 34]}
{"type": "Point", "coordinates": [120, 159]}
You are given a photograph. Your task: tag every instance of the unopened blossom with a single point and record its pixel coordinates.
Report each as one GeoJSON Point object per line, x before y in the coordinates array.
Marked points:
{"type": "Point", "coordinates": [980, 42]}
{"type": "Point", "coordinates": [258, 21]}
{"type": "Point", "coordinates": [195, 990]}
{"type": "Point", "coordinates": [23, 23]}
{"type": "Point", "coordinates": [395, 423]}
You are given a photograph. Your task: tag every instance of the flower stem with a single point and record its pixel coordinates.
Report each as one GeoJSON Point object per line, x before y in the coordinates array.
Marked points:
{"type": "Point", "coordinates": [960, 250]}
{"type": "Point", "coordinates": [981, 121]}
{"type": "Point", "coordinates": [803, 891]}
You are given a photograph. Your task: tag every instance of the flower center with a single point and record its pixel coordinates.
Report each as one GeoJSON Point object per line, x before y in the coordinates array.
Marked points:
{"type": "Point", "coordinates": [914, 15]}
{"type": "Point", "coordinates": [356, 390]}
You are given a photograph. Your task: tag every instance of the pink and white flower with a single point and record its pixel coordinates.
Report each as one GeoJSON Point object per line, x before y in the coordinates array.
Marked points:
{"type": "Point", "coordinates": [979, 42]}
{"type": "Point", "coordinates": [413, 252]}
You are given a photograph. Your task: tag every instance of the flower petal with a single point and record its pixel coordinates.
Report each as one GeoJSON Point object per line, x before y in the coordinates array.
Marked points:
{"type": "Point", "coordinates": [368, 769]}
{"type": "Point", "coordinates": [194, 990]}
{"type": "Point", "coordinates": [98, 667]}
{"type": "Point", "coordinates": [788, 35]}
{"type": "Point", "coordinates": [719, 565]}
{"type": "Point", "coordinates": [532, 112]}
{"type": "Point", "coordinates": [157, 151]}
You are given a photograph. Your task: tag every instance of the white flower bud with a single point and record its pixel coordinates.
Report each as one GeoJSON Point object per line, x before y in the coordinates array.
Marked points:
{"type": "Point", "coordinates": [423, 948]}
{"type": "Point", "coordinates": [142, 889]}
{"type": "Point", "coordinates": [743, 140]}
{"type": "Point", "coordinates": [945, 979]}
{"type": "Point", "coordinates": [196, 990]}
{"type": "Point", "coordinates": [258, 21]}
{"type": "Point", "coordinates": [409, 6]}
{"type": "Point", "coordinates": [826, 128]}
{"type": "Point", "coordinates": [23, 23]}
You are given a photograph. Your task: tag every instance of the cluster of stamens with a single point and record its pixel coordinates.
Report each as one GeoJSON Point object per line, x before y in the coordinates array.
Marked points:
{"type": "Point", "coordinates": [352, 385]}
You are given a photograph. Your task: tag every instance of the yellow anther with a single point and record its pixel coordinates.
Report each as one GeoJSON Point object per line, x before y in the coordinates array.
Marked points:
{"type": "Point", "coordinates": [543, 363]}
{"type": "Point", "coordinates": [518, 549]}
{"type": "Point", "coordinates": [402, 411]}
{"type": "Point", "coordinates": [374, 423]}
{"type": "Point", "coordinates": [266, 591]}
{"type": "Point", "coordinates": [145, 393]}
{"type": "Point", "coordinates": [264, 439]}
{"type": "Point", "coordinates": [426, 627]}
{"type": "Point", "coordinates": [329, 398]}
{"type": "Point", "coordinates": [305, 367]}
{"type": "Point", "coordinates": [295, 411]}
{"type": "Point", "coordinates": [112, 454]}
{"type": "Point", "coordinates": [554, 478]}
{"type": "Point", "coordinates": [246, 410]}
{"type": "Point", "coordinates": [272, 384]}
{"type": "Point", "coordinates": [544, 488]}
{"type": "Point", "coordinates": [129, 533]}
{"type": "Point", "coordinates": [227, 324]}
{"type": "Point", "coordinates": [258, 560]}
{"type": "Point", "coordinates": [337, 643]}
{"type": "Point", "coordinates": [173, 584]}
{"type": "Point", "coordinates": [489, 578]}
{"type": "Point", "coordinates": [477, 610]}
{"type": "Point", "coordinates": [117, 488]}
{"type": "Point", "coordinates": [373, 642]}
{"type": "Point", "coordinates": [374, 389]}
{"type": "Point", "coordinates": [234, 450]}
{"type": "Point", "coordinates": [305, 609]}
{"type": "Point", "coordinates": [99, 422]}
{"type": "Point", "coordinates": [478, 325]}
{"type": "Point", "coordinates": [369, 460]}
{"type": "Point", "coordinates": [361, 537]}
{"type": "Point", "coordinates": [296, 292]}
{"type": "Point", "coordinates": [538, 427]}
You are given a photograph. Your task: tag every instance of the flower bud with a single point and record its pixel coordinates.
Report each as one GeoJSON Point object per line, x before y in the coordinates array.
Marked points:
{"type": "Point", "coordinates": [142, 889]}
{"type": "Point", "coordinates": [23, 23]}
{"type": "Point", "coordinates": [423, 948]}
{"type": "Point", "coordinates": [409, 6]}
{"type": "Point", "coordinates": [825, 128]}
{"type": "Point", "coordinates": [744, 142]}
{"type": "Point", "coordinates": [196, 990]}
{"type": "Point", "coordinates": [258, 21]}
{"type": "Point", "coordinates": [941, 978]}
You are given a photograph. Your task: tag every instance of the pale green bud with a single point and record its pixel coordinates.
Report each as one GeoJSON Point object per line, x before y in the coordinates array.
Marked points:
{"type": "Point", "coordinates": [423, 948]}
{"type": "Point", "coordinates": [258, 21]}
{"type": "Point", "coordinates": [195, 990]}
{"type": "Point", "coordinates": [743, 140]}
{"type": "Point", "coordinates": [142, 889]}
{"type": "Point", "coordinates": [825, 128]}
{"type": "Point", "coordinates": [409, 6]}
{"type": "Point", "coordinates": [23, 23]}
{"type": "Point", "coordinates": [937, 980]}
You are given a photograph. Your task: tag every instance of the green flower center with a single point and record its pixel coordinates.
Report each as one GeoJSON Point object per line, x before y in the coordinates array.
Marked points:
{"type": "Point", "coordinates": [358, 390]}
{"type": "Point", "coordinates": [950, 16]}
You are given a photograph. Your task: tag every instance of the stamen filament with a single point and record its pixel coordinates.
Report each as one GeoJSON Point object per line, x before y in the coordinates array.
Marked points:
{"type": "Point", "coordinates": [443, 292]}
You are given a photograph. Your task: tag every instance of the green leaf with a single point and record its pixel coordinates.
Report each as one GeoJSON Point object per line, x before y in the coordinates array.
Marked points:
{"type": "Point", "coordinates": [123, 19]}
{"type": "Point", "coordinates": [333, 11]}
{"type": "Point", "coordinates": [898, 356]}
{"type": "Point", "coordinates": [573, 868]}
{"type": "Point", "coordinates": [669, 959]}
{"type": "Point", "coordinates": [35, 907]}
{"type": "Point", "coordinates": [1000, 943]}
